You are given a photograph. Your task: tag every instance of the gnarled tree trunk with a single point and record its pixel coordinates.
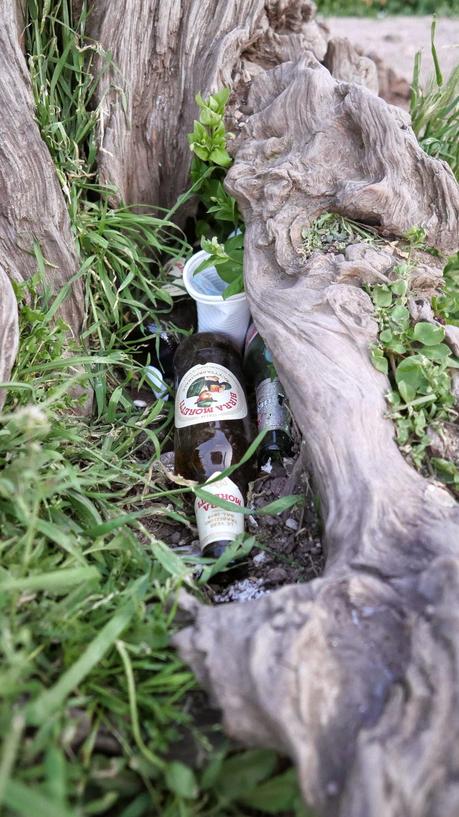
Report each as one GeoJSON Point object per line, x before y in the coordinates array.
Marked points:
{"type": "Point", "coordinates": [33, 214]}
{"type": "Point", "coordinates": [356, 674]}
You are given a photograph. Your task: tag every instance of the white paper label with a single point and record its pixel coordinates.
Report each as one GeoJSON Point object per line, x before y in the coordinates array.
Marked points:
{"type": "Point", "coordinates": [206, 393]}
{"type": "Point", "coordinates": [218, 524]}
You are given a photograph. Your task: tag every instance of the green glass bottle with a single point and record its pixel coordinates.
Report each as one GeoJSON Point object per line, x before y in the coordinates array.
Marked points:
{"type": "Point", "coordinates": [212, 432]}
{"type": "Point", "coordinates": [272, 414]}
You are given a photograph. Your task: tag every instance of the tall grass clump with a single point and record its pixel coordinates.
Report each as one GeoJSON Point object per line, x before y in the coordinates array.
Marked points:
{"type": "Point", "coordinates": [434, 113]}
{"type": "Point", "coordinates": [434, 110]}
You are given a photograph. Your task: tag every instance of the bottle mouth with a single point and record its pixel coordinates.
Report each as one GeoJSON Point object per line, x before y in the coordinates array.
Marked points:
{"type": "Point", "coordinates": [216, 549]}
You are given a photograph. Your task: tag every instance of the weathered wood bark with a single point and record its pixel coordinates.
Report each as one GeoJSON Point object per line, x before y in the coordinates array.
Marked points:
{"type": "Point", "coordinates": [9, 330]}
{"type": "Point", "coordinates": [163, 53]}
{"type": "Point", "coordinates": [356, 674]}
{"type": "Point", "coordinates": [345, 63]}
{"type": "Point", "coordinates": [32, 206]}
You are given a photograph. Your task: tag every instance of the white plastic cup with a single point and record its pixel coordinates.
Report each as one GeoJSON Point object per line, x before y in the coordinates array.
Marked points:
{"type": "Point", "coordinates": [215, 314]}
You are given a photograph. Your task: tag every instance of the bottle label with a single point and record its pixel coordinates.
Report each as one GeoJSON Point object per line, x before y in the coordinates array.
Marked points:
{"type": "Point", "coordinates": [219, 524]}
{"type": "Point", "coordinates": [271, 411]}
{"type": "Point", "coordinates": [206, 393]}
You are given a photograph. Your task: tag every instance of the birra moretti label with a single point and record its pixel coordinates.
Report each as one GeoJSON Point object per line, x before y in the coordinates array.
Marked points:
{"type": "Point", "coordinates": [217, 524]}
{"type": "Point", "coordinates": [206, 393]}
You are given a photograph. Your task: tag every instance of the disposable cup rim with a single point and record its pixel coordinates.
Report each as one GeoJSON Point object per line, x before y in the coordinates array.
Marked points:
{"type": "Point", "coordinates": [188, 271]}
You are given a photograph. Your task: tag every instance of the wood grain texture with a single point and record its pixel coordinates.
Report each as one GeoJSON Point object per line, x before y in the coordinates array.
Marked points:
{"type": "Point", "coordinates": [163, 52]}
{"type": "Point", "coordinates": [9, 330]}
{"type": "Point", "coordinates": [354, 675]}
{"type": "Point", "coordinates": [32, 206]}
{"type": "Point", "coordinates": [346, 64]}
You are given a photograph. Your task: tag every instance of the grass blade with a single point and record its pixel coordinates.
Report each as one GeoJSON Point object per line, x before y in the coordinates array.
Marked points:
{"type": "Point", "coordinates": [55, 580]}
{"type": "Point", "coordinates": [27, 801]}
{"type": "Point", "coordinates": [50, 701]}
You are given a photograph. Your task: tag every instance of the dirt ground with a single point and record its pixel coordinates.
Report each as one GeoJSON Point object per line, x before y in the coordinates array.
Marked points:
{"type": "Point", "coordinates": [397, 39]}
{"type": "Point", "coordinates": [289, 548]}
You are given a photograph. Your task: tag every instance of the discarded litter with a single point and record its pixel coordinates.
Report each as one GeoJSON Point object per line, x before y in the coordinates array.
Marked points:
{"type": "Point", "coordinates": [212, 432]}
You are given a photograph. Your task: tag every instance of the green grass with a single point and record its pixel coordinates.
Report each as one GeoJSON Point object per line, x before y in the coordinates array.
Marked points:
{"type": "Point", "coordinates": [372, 8]}
{"type": "Point", "coordinates": [434, 110]}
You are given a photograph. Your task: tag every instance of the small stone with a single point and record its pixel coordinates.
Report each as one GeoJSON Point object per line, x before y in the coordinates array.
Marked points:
{"type": "Point", "coordinates": [277, 485]}
{"type": "Point", "coordinates": [277, 575]}
{"type": "Point", "coordinates": [291, 523]}
{"type": "Point", "coordinates": [244, 590]}
{"type": "Point", "coordinates": [260, 558]}
{"type": "Point", "coordinates": [168, 460]}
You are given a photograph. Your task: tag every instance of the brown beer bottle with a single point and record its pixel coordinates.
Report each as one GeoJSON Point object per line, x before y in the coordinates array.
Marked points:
{"type": "Point", "coordinates": [212, 432]}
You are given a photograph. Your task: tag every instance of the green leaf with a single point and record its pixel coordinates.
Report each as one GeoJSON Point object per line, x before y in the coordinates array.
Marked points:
{"type": "Point", "coordinates": [280, 505]}
{"type": "Point", "coordinates": [229, 270]}
{"type": "Point", "coordinates": [382, 296]}
{"type": "Point", "coordinates": [221, 96]}
{"type": "Point", "coordinates": [447, 470]}
{"type": "Point", "coordinates": [220, 157]}
{"type": "Point", "coordinates": [274, 796]}
{"type": "Point", "coordinates": [397, 346]}
{"type": "Point", "coordinates": [429, 334]}
{"type": "Point", "coordinates": [439, 352]}
{"type": "Point", "coordinates": [171, 562]}
{"type": "Point", "coordinates": [209, 117]}
{"type": "Point", "coordinates": [386, 336]}
{"type": "Point", "coordinates": [407, 391]}
{"type": "Point", "coordinates": [234, 288]}
{"type": "Point", "coordinates": [410, 373]}
{"type": "Point", "coordinates": [236, 242]}
{"type": "Point", "coordinates": [438, 73]}
{"type": "Point", "coordinates": [181, 781]}
{"type": "Point", "coordinates": [399, 287]}
{"type": "Point", "coordinates": [242, 772]}
{"type": "Point", "coordinates": [400, 316]}
{"type": "Point", "coordinates": [379, 361]}
{"type": "Point", "coordinates": [201, 152]}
